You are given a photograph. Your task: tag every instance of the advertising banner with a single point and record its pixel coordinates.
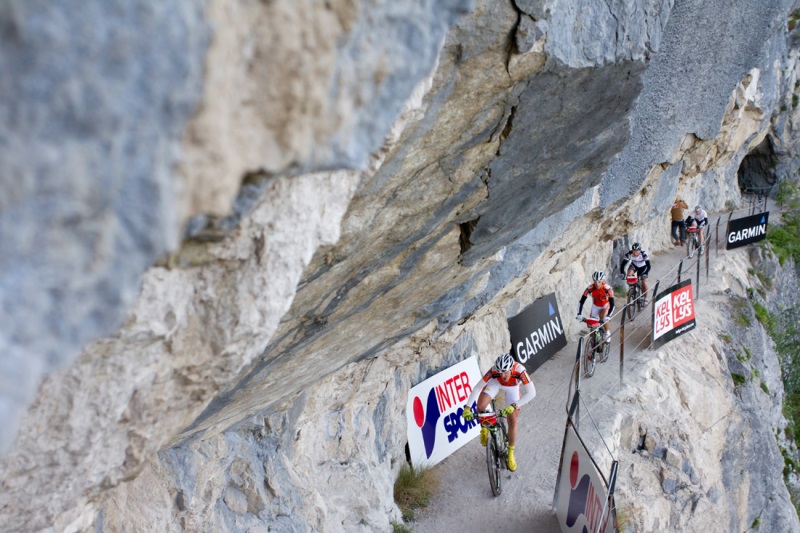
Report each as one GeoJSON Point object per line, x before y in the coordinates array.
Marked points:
{"type": "Point", "coordinates": [742, 231]}
{"type": "Point", "coordinates": [581, 501]}
{"type": "Point", "coordinates": [537, 333]}
{"type": "Point", "coordinates": [435, 426]}
{"type": "Point", "coordinates": [674, 314]}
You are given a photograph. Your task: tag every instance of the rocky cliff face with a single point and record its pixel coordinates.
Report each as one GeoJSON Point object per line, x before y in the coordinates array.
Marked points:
{"type": "Point", "coordinates": [403, 176]}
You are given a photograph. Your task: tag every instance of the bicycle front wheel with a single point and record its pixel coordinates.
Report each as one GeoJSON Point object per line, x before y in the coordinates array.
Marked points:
{"type": "Point", "coordinates": [692, 246]}
{"type": "Point", "coordinates": [493, 464]}
{"type": "Point", "coordinates": [588, 357]}
{"type": "Point", "coordinates": [633, 295]}
{"type": "Point", "coordinates": [604, 349]}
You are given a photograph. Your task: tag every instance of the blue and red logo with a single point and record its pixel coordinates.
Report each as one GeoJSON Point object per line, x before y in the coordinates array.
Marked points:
{"type": "Point", "coordinates": [441, 398]}
{"type": "Point", "coordinates": [583, 499]}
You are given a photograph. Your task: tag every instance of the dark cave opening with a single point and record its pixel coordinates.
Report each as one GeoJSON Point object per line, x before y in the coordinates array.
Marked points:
{"type": "Point", "coordinates": [756, 173]}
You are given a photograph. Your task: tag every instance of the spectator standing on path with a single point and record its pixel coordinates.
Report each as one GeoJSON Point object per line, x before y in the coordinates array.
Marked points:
{"type": "Point", "coordinates": [677, 222]}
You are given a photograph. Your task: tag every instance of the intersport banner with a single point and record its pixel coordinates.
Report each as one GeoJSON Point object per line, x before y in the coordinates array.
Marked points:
{"type": "Point", "coordinates": [435, 426]}
{"type": "Point", "coordinates": [581, 501]}
{"type": "Point", "coordinates": [537, 333]}
{"type": "Point", "coordinates": [746, 230]}
{"type": "Point", "coordinates": [674, 313]}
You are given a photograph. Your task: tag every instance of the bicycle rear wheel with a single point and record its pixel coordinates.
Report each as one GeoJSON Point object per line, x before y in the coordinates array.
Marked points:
{"type": "Point", "coordinates": [588, 357]}
{"type": "Point", "coordinates": [633, 295]}
{"type": "Point", "coordinates": [692, 246]}
{"type": "Point", "coordinates": [493, 464]}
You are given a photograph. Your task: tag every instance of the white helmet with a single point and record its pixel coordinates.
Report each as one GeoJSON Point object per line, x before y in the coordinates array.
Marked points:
{"type": "Point", "coordinates": [598, 275]}
{"type": "Point", "coordinates": [698, 208]}
{"type": "Point", "coordinates": [504, 363]}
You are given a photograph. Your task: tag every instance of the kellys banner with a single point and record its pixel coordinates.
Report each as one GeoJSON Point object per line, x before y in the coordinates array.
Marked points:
{"type": "Point", "coordinates": [742, 231]}
{"type": "Point", "coordinates": [581, 503]}
{"type": "Point", "coordinates": [435, 426]}
{"type": "Point", "coordinates": [537, 333]}
{"type": "Point", "coordinates": [674, 314]}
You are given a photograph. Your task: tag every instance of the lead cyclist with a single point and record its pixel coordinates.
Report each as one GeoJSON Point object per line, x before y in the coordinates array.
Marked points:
{"type": "Point", "coordinates": [509, 376]}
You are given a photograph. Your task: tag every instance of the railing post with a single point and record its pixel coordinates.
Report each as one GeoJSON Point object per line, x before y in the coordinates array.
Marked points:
{"type": "Point", "coordinates": [622, 343]}
{"type": "Point", "coordinates": [653, 311]}
{"type": "Point", "coordinates": [577, 408]}
{"type": "Point", "coordinates": [680, 267]}
{"type": "Point", "coordinates": [707, 259]}
{"type": "Point", "coordinates": [697, 292]}
{"type": "Point", "coordinates": [716, 238]}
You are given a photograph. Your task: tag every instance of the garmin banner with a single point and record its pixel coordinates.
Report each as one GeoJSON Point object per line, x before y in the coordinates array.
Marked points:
{"type": "Point", "coordinates": [674, 314]}
{"type": "Point", "coordinates": [537, 333]}
{"type": "Point", "coordinates": [742, 231]}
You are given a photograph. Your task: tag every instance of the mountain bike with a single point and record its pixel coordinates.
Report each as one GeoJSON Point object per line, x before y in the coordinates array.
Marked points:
{"type": "Point", "coordinates": [693, 241]}
{"type": "Point", "coordinates": [496, 447]}
{"type": "Point", "coordinates": [595, 348]}
{"type": "Point", "coordinates": [635, 300]}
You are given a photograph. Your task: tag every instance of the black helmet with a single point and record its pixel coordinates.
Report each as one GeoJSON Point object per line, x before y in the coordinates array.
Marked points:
{"type": "Point", "coordinates": [636, 246]}
{"type": "Point", "coordinates": [599, 275]}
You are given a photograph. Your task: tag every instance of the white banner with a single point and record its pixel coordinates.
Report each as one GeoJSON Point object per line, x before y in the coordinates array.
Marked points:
{"type": "Point", "coordinates": [435, 426]}
{"type": "Point", "coordinates": [582, 493]}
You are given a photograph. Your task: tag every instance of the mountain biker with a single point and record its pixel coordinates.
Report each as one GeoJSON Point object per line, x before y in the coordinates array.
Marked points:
{"type": "Point", "coordinates": [637, 260]}
{"type": "Point", "coordinates": [702, 221]}
{"type": "Point", "coordinates": [602, 301]}
{"type": "Point", "coordinates": [510, 376]}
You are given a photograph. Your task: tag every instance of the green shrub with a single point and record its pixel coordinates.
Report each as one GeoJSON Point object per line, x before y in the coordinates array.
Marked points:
{"type": "Point", "coordinates": [740, 315]}
{"type": "Point", "coordinates": [786, 193]}
{"type": "Point", "coordinates": [413, 489]}
{"type": "Point", "coordinates": [738, 379]}
{"type": "Point", "coordinates": [399, 528]}
{"type": "Point", "coordinates": [785, 239]}
{"type": "Point", "coordinates": [767, 319]}
{"type": "Point", "coordinates": [727, 338]}
{"type": "Point", "coordinates": [765, 388]}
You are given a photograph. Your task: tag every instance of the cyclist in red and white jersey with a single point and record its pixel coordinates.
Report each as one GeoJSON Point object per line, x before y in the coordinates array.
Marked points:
{"type": "Point", "coordinates": [602, 301]}
{"type": "Point", "coordinates": [512, 378]}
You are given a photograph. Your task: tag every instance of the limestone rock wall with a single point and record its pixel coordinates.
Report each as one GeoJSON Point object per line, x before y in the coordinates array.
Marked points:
{"type": "Point", "coordinates": [259, 380]}
{"type": "Point", "coordinates": [125, 119]}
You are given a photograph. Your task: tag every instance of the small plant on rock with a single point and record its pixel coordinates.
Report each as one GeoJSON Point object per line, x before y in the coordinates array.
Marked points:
{"type": "Point", "coordinates": [413, 489]}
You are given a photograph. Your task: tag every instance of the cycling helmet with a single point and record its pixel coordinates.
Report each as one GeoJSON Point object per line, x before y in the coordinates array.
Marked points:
{"type": "Point", "coordinates": [636, 246]}
{"type": "Point", "coordinates": [598, 276]}
{"type": "Point", "coordinates": [698, 208]}
{"type": "Point", "coordinates": [504, 363]}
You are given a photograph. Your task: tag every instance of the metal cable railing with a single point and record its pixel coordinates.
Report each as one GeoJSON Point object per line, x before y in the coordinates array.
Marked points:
{"type": "Point", "coordinates": [686, 266]}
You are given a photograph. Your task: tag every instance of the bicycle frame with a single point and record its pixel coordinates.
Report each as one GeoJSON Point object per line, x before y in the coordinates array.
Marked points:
{"type": "Point", "coordinates": [635, 292]}
{"type": "Point", "coordinates": [496, 447]}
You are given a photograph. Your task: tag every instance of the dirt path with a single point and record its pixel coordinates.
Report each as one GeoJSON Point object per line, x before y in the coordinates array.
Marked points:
{"type": "Point", "coordinates": [465, 503]}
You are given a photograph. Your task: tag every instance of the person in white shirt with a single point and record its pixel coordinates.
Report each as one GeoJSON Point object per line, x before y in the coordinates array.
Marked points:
{"type": "Point", "coordinates": [702, 221]}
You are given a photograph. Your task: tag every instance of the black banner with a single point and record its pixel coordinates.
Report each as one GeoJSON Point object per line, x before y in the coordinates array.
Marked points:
{"type": "Point", "coordinates": [742, 231]}
{"type": "Point", "coordinates": [537, 333]}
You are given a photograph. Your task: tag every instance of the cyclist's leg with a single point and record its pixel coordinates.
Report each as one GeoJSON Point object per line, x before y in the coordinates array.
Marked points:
{"type": "Point", "coordinates": [486, 396]}
{"type": "Point", "coordinates": [602, 312]}
{"type": "Point", "coordinates": [643, 281]}
{"type": "Point", "coordinates": [484, 399]}
{"type": "Point", "coordinates": [512, 395]}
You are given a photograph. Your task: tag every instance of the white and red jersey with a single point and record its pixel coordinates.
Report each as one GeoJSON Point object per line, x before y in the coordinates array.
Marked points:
{"type": "Point", "coordinates": [518, 376]}
{"type": "Point", "coordinates": [519, 381]}
{"type": "Point", "coordinates": [600, 296]}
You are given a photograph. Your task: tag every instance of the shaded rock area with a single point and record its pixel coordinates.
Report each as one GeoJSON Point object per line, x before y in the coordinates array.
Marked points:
{"type": "Point", "coordinates": [366, 191]}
